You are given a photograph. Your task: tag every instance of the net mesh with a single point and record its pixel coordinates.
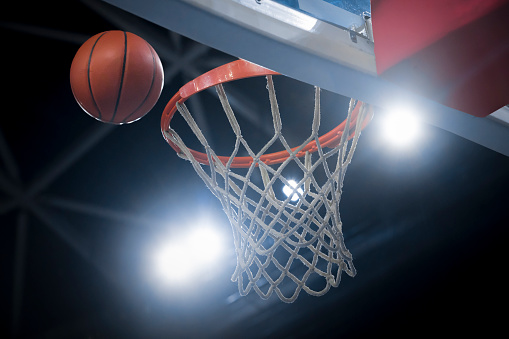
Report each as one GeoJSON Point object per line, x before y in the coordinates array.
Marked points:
{"type": "Point", "coordinates": [284, 243]}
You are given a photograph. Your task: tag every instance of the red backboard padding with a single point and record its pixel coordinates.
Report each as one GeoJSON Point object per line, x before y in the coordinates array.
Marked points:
{"type": "Point", "coordinates": [455, 52]}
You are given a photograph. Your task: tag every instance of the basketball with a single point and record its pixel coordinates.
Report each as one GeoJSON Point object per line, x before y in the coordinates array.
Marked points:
{"type": "Point", "coordinates": [116, 77]}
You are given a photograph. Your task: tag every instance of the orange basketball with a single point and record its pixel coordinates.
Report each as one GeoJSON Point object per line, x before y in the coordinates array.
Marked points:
{"type": "Point", "coordinates": [116, 77]}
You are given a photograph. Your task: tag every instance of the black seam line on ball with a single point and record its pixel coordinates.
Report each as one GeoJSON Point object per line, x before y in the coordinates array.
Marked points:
{"type": "Point", "coordinates": [154, 68]}
{"type": "Point", "coordinates": [121, 79]}
{"type": "Point", "coordinates": [88, 75]}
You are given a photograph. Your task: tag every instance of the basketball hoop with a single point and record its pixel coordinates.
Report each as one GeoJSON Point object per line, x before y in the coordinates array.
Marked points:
{"type": "Point", "coordinates": [283, 245]}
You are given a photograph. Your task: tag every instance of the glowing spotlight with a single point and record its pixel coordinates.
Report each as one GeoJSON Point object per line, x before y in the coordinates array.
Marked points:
{"type": "Point", "coordinates": [171, 263]}
{"type": "Point", "coordinates": [290, 189]}
{"type": "Point", "coordinates": [183, 259]}
{"type": "Point", "coordinates": [206, 244]}
{"type": "Point", "coordinates": [401, 128]}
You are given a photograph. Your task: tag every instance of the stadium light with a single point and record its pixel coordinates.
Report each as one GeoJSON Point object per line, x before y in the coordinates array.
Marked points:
{"type": "Point", "coordinates": [290, 188]}
{"type": "Point", "coordinates": [182, 259]}
{"type": "Point", "coordinates": [401, 127]}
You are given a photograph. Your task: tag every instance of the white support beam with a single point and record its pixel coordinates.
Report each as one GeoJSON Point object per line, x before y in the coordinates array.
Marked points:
{"type": "Point", "coordinates": [501, 116]}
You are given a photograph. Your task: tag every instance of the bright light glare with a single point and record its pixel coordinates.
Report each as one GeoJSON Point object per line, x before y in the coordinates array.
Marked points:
{"type": "Point", "coordinates": [287, 190]}
{"type": "Point", "coordinates": [206, 245]}
{"type": "Point", "coordinates": [401, 127]}
{"type": "Point", "coordinates": [170, 265]}
{"type": "Point", "coordinates": [185, 258]}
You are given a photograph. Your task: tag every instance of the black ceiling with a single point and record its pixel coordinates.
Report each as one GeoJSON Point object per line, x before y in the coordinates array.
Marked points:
{"type": "Point", "coordinates": [81, 202]}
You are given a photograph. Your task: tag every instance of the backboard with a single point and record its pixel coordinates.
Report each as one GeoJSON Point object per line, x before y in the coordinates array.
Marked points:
{"type": "Point", "coordinates": [324, 43]}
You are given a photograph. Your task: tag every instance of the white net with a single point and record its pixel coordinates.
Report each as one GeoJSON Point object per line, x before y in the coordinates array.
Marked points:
{"type": "Point", "coordinates": [284, 243]}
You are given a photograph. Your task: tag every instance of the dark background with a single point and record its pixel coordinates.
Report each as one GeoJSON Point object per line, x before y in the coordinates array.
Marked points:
{"type": "Point", "coordinates": [81, 202]}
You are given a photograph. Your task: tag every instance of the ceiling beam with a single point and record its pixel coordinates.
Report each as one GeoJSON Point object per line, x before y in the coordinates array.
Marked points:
{"type": "Point", "coordinates": [19, 271]}
{"type": "Point", "coordinates": [68, 157]}
{"type": "Point", "coordinates": [97, 211]}
{"type": "Point", "coordinates": [45, 32]}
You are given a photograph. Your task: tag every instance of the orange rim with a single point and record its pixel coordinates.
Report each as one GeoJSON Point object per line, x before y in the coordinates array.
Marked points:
{"type": "Point", "coordinates": [241, 69]}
